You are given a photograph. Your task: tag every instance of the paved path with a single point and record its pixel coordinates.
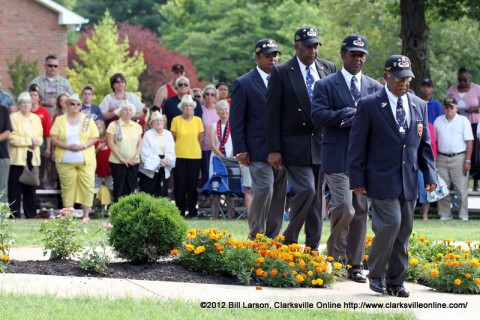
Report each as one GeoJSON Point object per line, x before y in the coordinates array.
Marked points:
{"type": "Point", "coordinates": [345, 294]}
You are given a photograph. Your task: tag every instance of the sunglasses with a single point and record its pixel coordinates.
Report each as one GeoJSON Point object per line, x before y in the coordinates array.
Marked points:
{"type": "Point", "coordinates": [210, 94]}
{"type": "Point", "coordinates": [183, 85]}
{"type": "Point", "coordinates": [400, 80]}
{"type": "Point", "coordinates": [198, 97]}
{"type": "Point", "coordinates": [75, 104]}
{"type": "Point", "coordinates": [52, 65]}
{"type": "Point", "coordinates": [120, 81]}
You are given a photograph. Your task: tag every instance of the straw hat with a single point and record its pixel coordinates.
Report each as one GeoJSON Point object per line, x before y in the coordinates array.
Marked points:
{"type": "Point", "coordinates": [25, 96]}
{"type": "Point", "coordinates": [186, 99]}
{"type": "Point", "coordinates": [155, 115]}
{"type": "Point", "coordinates": [124, 104]}
{"type": "Point", "coordinates": [74, 97]}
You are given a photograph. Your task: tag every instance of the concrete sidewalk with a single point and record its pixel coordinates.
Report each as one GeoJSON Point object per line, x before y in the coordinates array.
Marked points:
{"type": "Point", "coordinates": [345, 294]}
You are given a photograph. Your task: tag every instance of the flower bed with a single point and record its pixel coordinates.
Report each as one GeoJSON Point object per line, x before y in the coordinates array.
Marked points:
{"type": "Point", "coordinates": [262, 261]}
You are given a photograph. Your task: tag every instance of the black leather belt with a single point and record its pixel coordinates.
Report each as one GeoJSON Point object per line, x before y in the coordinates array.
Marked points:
{"type": "Point", "coordinates": [451, 154]}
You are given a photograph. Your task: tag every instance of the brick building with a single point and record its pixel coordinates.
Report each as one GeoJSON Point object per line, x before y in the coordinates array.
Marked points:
{"type": "Point", "coordinates": [34, 29]}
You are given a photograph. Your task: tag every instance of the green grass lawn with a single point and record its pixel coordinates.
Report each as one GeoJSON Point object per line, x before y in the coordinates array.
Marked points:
{"type": "Point", "coordinates": [27, 231]}
{"type": "Point", "coordinates": [19, 307]}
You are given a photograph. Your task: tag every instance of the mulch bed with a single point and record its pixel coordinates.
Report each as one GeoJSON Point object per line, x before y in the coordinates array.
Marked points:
{"type": "Point", "coordinates": [162, 270]}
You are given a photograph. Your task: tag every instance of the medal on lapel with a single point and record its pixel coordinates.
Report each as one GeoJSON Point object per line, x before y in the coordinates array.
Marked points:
{"type": "Point", "coordinates": [419, 128]}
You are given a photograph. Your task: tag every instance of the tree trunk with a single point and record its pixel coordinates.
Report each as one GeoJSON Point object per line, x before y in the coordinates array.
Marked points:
{"type": "Point", "coordinates": [414, 34]}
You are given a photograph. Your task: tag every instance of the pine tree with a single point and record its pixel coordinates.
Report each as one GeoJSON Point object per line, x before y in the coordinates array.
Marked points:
{"type": "Point", "coordinates": [105, 55]}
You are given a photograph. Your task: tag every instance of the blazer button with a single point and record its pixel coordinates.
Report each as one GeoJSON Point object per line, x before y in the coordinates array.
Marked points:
{"type": "Point", "coordinates": [304, 123]}
{"type": "Point", "coordinates": [404, 146]}
{"type": "Point", "coordinates": [403, 162]}
{"type": "Point", "coordinates": [299, 110]}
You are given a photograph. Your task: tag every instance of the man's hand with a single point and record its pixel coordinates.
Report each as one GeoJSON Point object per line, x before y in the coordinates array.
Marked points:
{"type": "Point", "coordinates": [275, 160]}
{"type": "Point", "coordinates": [360, 190]}
{"type": "Point", "coordinates": [430, 187]}
{"type": "Point", "coordinates": [244, 158]}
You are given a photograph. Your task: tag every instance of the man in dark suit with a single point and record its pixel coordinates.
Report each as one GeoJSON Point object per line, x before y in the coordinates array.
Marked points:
{"type": "Point", "coordinates": [292, 139]}
{"type": "Point", "coordinates": [247, 122]}
{"type": "Point", "coordinates": [334, 103]}
{"type": "Point", "coordinates": [389, 143]}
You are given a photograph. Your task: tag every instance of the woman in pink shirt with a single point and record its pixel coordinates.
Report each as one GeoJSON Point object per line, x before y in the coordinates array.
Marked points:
{"type": "Point", "coordinates": [467, 95]}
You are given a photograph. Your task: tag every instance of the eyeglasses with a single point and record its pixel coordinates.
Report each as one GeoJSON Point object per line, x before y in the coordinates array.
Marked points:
{"type": "Point", "coordinates": [120, 81]}
{"type": "Point", "coordinates": [182, 85]}
{"type": "Point", "coordinates": [198, 97]}
{"type": "Point", "coordinates": [52, 65]}
{"type": "Point", "coordinates": [210, 94]}
{"type": "Point", "coordinates": [400, 80]}
{"type": "Point", "coordinates": [75, 104]}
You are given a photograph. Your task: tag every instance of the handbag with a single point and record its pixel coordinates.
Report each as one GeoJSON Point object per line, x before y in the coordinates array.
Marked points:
{"type": "Point", "coordinates": [30, 177]}
{"type": "Point", "coordinates": [440, 192]}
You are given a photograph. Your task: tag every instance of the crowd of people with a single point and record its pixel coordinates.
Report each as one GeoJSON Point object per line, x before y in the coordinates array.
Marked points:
{"type": "Point", "coordinates": [298, 127]}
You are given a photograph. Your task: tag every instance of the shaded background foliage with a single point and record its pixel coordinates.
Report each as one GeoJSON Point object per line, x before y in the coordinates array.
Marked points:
{"type": "Point", "coordinates": [217, 37]}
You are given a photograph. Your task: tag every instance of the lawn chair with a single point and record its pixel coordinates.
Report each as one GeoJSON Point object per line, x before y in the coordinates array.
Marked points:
{"type": "Point", "coordinates": [226, 181]}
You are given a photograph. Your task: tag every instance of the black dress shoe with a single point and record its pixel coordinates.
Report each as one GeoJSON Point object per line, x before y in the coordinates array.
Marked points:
{"type": "Point", "coordinates": [398, 291]}
{"type": "Point", "coordinates": [378, 285]}
{"type": "Point", "coordinates": [357, 276]}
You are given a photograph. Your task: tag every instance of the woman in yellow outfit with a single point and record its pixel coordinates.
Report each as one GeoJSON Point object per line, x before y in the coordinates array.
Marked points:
{"type": "Point", "coordinates": [25, 139]}
{"type": "Point", "coordinates": [74, 135]}
{"type": "Point", "coordinates": [124, 137]}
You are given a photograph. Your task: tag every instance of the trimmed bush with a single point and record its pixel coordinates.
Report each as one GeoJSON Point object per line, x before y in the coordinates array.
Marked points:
{"type": "Point", "coordinates": [145, 227]}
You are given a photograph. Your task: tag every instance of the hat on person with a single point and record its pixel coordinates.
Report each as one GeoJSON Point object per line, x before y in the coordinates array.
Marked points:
{"type": "Point", "coordinates": [123, 104]}
{"type": "Point", "coordinates": [178, 68]}
{"type": "Point", "coordinates": [450, 101]}
{"type": "Point", "coordinates": [74, 97]}
{"type": "Point", "coordinates": [400, 66]}
{"type": "Point", "coordinates": [427, 82]}
{"type": "Point", "coordinates": [186, 99]}
{"type": "Point", "coordinates": [156, 115]}
{"type": "Point", "coordinates": [307, 35]}
{"type": "Point", "coordinates": [355, 42]}
{"type": "Point", "coordinates": [266, 46]}
{"type": "Point", "coordinates": [25, 96]}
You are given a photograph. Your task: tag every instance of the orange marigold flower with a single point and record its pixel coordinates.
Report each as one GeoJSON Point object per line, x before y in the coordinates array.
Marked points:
{"type": "Point", "coordinates": [285, 273]}
{"type": "Point", "coordinates": [213, 236]}
{"type": "Point", "coordinates": [280, 237]}
{"type": "Point", "coordinates": [5, 257]}
{"type": "Point", "coordinates": [319, 281]}
{"type": "Point", "coordinates": [477, 281]}
{"type": "Point", "coordinates": [199, 250]}
{"type": "Point", "coordinates": [455, 264]}
{"type": "Point", "coordinates": [421, 238]}
{"type": "Point", "coordinates": [337, 266]}
{"type": "Point", "coordinates": [329, 258]}
{"type": "Point", "coordinates": [174, 252]}
{"type": "Point", "coordinates": [457, 282]}
{"type": "Point", "coordinates": [300, 278]}
{"type": "Point", "coordinates": [468, 275]}
{"type": "Point", "coordinates": [294, 272]}
{"type": "Point", "coordinates": [259, 236]}
{"type": "Point", "coordinates": [413, 261]}
{"type": "Point", "coordinates": [189, 247]}
{"type": "Point", "coordinates": [474, 262]}
{"type": "Point", "coordinates": [310, 273]}
{"type": "Point", "coordinates": [274, 272]}
{"type": "Point", "coordinates": [260, 259]}
{"type": "Point", "coordinates": [291, 264]}
{"type": "Point", "coordinates": [434, 273]}
{"type": "Point", "coordinates": [365, 257]}
{"type": "Point", "coordinates": [319, 269]}
{"type": "Point", "coordinates": [259, 272]}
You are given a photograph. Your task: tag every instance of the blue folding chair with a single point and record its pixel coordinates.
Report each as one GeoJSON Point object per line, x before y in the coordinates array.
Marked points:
{"type": "Point", "coordinates": [226, 180]}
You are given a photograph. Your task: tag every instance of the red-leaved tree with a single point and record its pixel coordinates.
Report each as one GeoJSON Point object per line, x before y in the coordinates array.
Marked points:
{"type": "Point", "coordinates": [158, 59]}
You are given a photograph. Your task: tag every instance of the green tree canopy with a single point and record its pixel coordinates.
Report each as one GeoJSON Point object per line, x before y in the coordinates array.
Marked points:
{"type": "Point", "coordinates": [104, 56]}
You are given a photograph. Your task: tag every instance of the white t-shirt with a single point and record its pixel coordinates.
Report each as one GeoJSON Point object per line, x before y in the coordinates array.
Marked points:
{"type": "Point", "coordinates": [73, 137]}
{"type": "Point", "coordinates": [111, 103]}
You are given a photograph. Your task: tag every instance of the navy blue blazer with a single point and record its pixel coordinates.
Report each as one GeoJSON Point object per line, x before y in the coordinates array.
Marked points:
{"type": "Point", "coordinates": [247, 116]}
{"type": "Point", "coordinates": [379, 159]}
{"type": "Point", "coordinates": [288, 124]}
{"type": "Point", "coordinates": [333, 102]}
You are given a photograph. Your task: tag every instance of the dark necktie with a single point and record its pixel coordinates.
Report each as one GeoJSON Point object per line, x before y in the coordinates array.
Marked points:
{"type": "Point", "coordinates": [310, 81]}
{"type": "Point", "coordinates": [268, 79]}
{"type": "Point", "coordinates": [354, 90]}
{"type": "Point", "coordinates": [401, 118]}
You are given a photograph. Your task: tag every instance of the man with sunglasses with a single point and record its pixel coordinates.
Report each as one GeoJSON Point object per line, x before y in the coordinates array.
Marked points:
{"type": "Point", "coordinates": [247, 119]}
{"type": "Point", "coordinates": [168, 90]}
{"type": "Point", "coordinates": [51, 84]}
{"type": "Point", "coordinates": [455, 147]}
{"type": "Point", "coordinates": [389, 142]}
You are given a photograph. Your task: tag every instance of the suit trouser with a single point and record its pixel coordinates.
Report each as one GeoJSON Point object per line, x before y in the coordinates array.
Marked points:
{"type": "Point", "coordinates": [77, 183]}
{"type": "Point", "coordinates": [348, 221]}
{"type": "Point", "coordinates": [305, 204]}
{"type": "Point", "coordinates": [451, 170]}
{"type": "Point", "coordinates": [185, 185]}
{"type": "Point", "coordinates": [268, 202]}
{"type": "Point", "coordinates": [4, 172]}
{"type": "Point", "coordinates": [16, 190]}
{"type": "Point", "coordinates": [392, 223]}
{"type": "Point", "coordinates": [124, 179]}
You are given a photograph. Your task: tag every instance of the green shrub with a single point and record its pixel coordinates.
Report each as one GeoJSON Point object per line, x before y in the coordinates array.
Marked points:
{"type": "Point", "coordinates": [145, 227]}
{"type": "Point", "coordinates": [21, 72]}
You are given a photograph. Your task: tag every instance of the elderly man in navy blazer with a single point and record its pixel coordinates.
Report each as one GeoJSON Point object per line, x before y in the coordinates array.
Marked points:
{"type": "Point", "coordinates": [334, 104]}
{"type": "Point", "coordinates": [292, 139]}
{"type": "Point", "coordinates": [389, 143]}
{"type": "Point", "coordinates": [247, 122]}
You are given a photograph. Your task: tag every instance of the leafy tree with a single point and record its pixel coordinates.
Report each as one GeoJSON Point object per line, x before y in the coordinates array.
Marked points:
{"type": "Point", "coordinates": [21, 72]}
{"type": "Point", "coordinates": [104, 55]}
{"type": "Point", "coordinates": [139, 12]}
